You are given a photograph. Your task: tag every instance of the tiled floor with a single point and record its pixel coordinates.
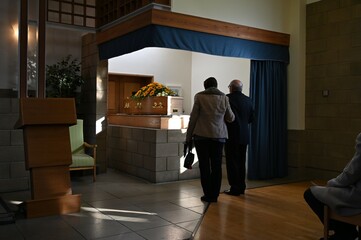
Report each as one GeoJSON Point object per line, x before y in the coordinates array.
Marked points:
{"type": "Point", "coordinates": [119, 206]}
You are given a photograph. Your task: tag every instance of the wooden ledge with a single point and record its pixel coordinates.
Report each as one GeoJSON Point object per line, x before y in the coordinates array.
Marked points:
{"type": "Point", "coordinates": [149, 121]}
{"type": "Point", "coordinates": [193, 23]}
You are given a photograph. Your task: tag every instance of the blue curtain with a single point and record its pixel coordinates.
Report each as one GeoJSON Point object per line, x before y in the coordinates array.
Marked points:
{"type": "Point", "coordinates": [268, 144]}
{"type": "Point", "coordinates": [175, 38]}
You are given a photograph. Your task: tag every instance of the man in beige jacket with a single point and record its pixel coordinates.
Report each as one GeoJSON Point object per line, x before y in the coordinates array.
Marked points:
{"type": "Point", "coordinates": [208, 130]}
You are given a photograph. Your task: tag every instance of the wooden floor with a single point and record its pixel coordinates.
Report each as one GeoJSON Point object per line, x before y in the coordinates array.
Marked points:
{"type": "Point", "coordinates": [269, 213]}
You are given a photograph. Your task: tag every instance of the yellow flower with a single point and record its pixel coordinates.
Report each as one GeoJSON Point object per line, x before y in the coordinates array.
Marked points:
{"type": "Point", "coordinates": [147, 91]}
{"type": "Point", "coordinates": [138, 93]}
{"type": "Point", "coordinates": [153, 89]}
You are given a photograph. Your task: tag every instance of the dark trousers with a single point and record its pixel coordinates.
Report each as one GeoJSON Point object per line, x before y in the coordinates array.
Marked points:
{"type": "Point", "coordinates": [210, 165]}
{"type": "Point", "coordinates": [340, 228]}
{"type": "Point", "coordinates": [236, 166]}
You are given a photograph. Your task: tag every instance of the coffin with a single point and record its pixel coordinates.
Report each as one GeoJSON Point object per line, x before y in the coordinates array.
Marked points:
{"type": "Point", "coordinates": [154, 106]}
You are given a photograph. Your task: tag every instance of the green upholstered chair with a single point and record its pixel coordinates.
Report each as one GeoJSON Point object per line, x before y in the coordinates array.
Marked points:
{"type": "Point", "coordinates": [81, 160]}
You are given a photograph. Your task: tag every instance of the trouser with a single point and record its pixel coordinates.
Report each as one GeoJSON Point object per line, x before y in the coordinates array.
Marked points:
{"type": "Point", "coordinates": [209, 154]}
{"type": "Point", "coordinates": [236, 166]}
{"type": "Point", "coordinates": [340, 228]}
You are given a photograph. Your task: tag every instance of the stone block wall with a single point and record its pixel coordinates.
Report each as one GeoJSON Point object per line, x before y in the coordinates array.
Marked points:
{"type": "Point", "coordinates": [333, 87]}
{"type": "Point", "coordinates": [151, 154]}
{"type": "Point", "coordinates": [13, 175]}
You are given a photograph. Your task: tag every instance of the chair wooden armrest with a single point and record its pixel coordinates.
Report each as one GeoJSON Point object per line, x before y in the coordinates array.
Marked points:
{"type": "Point", "coordinates": [93, 147]}
{"type": "Point", "coordinates": [90, 145]}
{"type": "Point", "coordinates": [81, 160]}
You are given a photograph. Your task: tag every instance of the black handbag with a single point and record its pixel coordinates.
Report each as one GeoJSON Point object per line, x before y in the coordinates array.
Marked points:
{"type": "Point", "coordinates": [188, 161]}
{"type": "Point", "coordinates": [189, 156]}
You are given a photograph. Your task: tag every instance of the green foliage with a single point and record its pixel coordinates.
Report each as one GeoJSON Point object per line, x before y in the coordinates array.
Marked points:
{"type": "Point", "coordinates": [63, 78]}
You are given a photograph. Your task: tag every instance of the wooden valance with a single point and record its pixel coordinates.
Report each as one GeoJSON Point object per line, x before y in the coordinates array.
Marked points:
{"type": "Point", "coordinates": [193, 23]}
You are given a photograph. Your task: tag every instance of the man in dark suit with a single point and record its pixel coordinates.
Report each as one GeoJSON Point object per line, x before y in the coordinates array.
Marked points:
{"type": "Point", "coordinates": [238, 138]}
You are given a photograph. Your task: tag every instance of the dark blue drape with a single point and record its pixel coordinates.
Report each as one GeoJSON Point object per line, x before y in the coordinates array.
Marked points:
{"type": "Point", "coordinates": [175, 38]}
{"type": "Point", "coordinates": [268, 146]}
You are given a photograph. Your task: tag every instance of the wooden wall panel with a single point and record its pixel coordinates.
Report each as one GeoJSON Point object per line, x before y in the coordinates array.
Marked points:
{"type": "Point", "coordinates": [121, 86]}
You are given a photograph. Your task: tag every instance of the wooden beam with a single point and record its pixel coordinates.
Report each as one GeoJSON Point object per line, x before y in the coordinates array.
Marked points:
{"type": "Point", "coordinates": [23, 46]}
{"type": "Point", "coordinates": [41, 45]}
{"type": "Point", "coordinates": [193, 23]}
{"type": "Point", "coordinates": [163, 2]}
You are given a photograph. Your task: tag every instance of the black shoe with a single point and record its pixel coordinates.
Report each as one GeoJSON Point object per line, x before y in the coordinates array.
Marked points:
{"type": "Point", "coordinates": [232, 193]}
{"type": "Point", "coordinates": [208, 199]}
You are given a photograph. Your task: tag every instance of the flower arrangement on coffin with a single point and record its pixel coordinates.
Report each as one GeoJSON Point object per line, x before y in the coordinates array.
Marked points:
{"type": "Point", "coordinates": [151, 90]}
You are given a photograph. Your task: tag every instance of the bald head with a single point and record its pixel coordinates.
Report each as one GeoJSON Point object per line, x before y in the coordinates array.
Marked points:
{"type": "Point", "coordinates": [236, 86]}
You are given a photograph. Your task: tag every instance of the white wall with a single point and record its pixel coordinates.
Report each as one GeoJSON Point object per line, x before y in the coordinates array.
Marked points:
{"type": "Point", "coordinates": [297, 66]}
{"type": "Point", "coordinates": [182, 68]}
{"type": "Point", "coordinates": [169, 67]}
{"type": "Point", "coordinates": [265, 14]}
{"type": "Point", "coordinates": [224, 69]}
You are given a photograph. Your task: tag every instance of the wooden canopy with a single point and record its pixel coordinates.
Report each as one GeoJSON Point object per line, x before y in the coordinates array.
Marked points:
{"type": "Point", "coordinates": [187, 22]}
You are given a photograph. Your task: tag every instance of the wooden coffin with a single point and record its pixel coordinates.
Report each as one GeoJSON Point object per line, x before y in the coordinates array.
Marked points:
{"type": "Point", "coordinates": [154, 106]}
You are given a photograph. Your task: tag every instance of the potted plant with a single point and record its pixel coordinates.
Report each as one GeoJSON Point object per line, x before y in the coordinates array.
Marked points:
{"type": "Point", "coordinates": [63, 79]}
